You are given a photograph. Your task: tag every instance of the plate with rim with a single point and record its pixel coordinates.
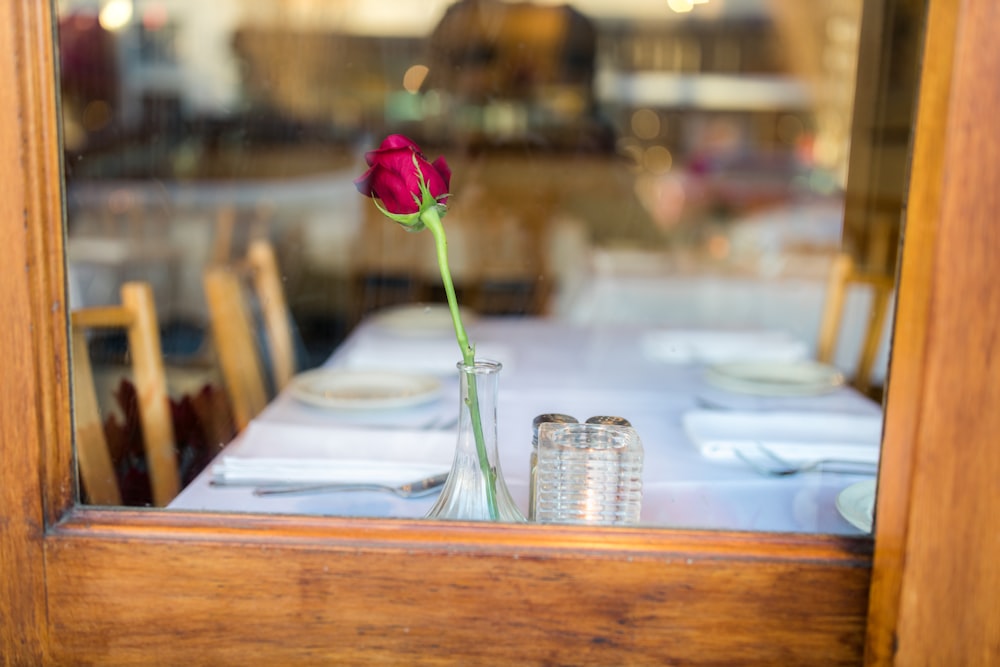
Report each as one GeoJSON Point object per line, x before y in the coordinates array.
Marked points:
{"type": "Point", "coordinates": [364, 390]}
{"type": "Point", "coordinates": [856, 503]}
{"type": "Point", "coordinates": [419, 319]}
{"type": "Point", "coordinates": [800, 378]}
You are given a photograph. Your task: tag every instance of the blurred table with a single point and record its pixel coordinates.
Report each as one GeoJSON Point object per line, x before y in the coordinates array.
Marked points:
{"type": "Point", "coordinates": [552, 366]}
{"type": "Point", "coordinates": [783, 291]}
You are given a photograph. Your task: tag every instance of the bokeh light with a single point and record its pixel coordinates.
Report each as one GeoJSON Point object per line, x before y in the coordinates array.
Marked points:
{"type": "Point", "coordinates": [414, 78]}
{"type": "Point", "coordinates": [116, 14]}
{"type": "Point", "coordinates": [645, 124]}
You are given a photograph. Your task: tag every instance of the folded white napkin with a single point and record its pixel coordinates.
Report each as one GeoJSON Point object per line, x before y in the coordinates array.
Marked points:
{"type": "Point", "coordinates": [270, 453]}
{"type": "Point", "coordinates": [798, 437]}
{"type": "Point", "coordinates": [437, 356]}
{"type": "Point", "coordinates": [714, 347]}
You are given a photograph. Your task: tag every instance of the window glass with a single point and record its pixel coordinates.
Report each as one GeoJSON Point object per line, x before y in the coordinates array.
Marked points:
{"type": "Point", "coordinates": [647, 210]}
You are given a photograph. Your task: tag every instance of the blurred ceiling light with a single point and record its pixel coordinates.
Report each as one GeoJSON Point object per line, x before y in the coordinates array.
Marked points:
{"type": "Point", "coordinates": [115, 14]}
{"type": "Point", "coordinates": [414, 78]}
{"type": "Point", "coordinates": [684, 6]}
{"type": "Point", "coordinates": [392, 18]}
{"type": "Point", "coordinates": [680, 6]}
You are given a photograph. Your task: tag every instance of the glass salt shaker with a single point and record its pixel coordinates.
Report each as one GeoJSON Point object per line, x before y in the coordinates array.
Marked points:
{"type": "Point", "coordinates": [588, 473]}
{"type": "Point", "coordinates": [549, 417]}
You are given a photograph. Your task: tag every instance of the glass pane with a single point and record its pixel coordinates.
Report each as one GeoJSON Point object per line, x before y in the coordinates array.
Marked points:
{"type": "Point", "coordinates": [648, 209]}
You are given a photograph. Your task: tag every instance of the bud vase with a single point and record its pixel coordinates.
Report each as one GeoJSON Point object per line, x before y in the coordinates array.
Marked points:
{"type": "Point", "coordinates": [466, 494]}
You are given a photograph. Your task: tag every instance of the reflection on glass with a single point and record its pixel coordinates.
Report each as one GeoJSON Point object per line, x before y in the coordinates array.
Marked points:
{"type": "Point", "coordinates": [646, 214]}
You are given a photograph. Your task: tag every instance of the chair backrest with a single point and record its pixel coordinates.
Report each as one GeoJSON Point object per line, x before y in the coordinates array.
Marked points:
{"type": "Point", "coordinates": [233, 329]}
{"type": "Point", "coordinates": [842, 275]}
{"type": "Point", "coordinates": [137, 316]}
{"type": "Point", "coordinates": [235, 343]}
{"type": "Point", "coordinates": [263, 265]}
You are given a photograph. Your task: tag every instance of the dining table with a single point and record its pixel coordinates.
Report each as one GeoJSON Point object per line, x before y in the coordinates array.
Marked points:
{"type": "Point", "coordinates": [707, 440]}
{"type": "Point", "coordinates": [784, 290]}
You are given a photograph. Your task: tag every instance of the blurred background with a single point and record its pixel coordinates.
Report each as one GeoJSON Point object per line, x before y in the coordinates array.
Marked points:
{"type": "Point", "coordinates": [663, 162]}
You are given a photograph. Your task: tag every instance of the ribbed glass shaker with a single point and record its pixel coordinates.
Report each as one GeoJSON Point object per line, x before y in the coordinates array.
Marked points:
{"type": "Point", "coordinates": [547, 418]}
{"type": "Point", "coordinates": [589, 474]}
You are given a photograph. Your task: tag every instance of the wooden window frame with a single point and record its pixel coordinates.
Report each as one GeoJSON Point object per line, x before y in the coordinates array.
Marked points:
{"type": "Point", "coordinates": [94, 586]}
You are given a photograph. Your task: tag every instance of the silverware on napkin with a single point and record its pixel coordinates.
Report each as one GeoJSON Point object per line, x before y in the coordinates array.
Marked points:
{"type": "Point", "coordinates": [772, 465]}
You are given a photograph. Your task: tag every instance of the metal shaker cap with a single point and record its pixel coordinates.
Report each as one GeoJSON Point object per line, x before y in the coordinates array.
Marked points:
{"type": "Point", "coordinates": [549, 418]}
{"type": "Point", "coordinates": [609, 420]}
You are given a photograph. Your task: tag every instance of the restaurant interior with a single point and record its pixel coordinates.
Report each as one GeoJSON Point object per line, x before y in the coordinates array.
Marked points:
{"type": "Point", "coordinates": [622, 171]}
{"type": "Point", "coordinates": [187, 252]}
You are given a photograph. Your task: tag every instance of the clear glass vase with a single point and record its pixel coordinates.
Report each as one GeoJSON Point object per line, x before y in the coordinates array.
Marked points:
{"type": "Point", "coordinates": [474, 491]}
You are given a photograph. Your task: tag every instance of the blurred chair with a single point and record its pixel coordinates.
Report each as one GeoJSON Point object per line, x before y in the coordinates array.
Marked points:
{"type": "Point", "coordinates": [137, 315]}
{"type": "Point", "coordinates": [235, 343]}
{"type": "Point", "coordinates": [127, 237]}
{"type": "Point", "coordinates": [386, 268]}
{"type": "Point", "coordinates": [511, 276]}
{"type": "Point", "coordinates": [222, 238]}
{"type": "Point", "coordinates": [233, 317]}
{"type": "Point", "coordinates": [842, 276]}
{"type": "Point", "coordinates": [231, 228]}
{"type": "Point", "coordinates": [266, 278]}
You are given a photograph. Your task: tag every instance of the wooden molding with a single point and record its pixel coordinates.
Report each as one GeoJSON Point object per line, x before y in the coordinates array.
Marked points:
{"type": "Point", "coordinates": [120, 586]}
{"type": "Point", "coordinates": [267, 590]}
{"type": "Point", "coordinates": [934, 580]}
{"type": "Point", "coordinates": [34, 376]}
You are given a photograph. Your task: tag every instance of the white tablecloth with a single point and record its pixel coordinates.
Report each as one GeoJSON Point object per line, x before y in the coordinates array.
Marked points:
{"type": "Point", "coordinates": [582, 371]}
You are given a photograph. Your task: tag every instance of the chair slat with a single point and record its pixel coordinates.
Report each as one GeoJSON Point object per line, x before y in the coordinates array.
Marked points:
{"type": "Point", "coordinates": [274, 308]}
{"type": "Point", "coordinates": [842, 275]}
{"type": "Point", "coordinates": [235, 344]}
{"type": "Point", "coordinates": [102, 317]}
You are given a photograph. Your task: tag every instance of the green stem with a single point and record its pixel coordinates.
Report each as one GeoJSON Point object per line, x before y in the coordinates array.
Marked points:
{"type": "Point", "coordinates": [432, 221]}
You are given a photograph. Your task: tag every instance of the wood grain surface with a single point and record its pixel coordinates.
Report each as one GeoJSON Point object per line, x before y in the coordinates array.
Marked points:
{"type": "Point", "coordinates": [936, 579]}
{"type": "Point", "coordinates": [263, 590]}
{"type": "Point", "coordinates": [129, 587]}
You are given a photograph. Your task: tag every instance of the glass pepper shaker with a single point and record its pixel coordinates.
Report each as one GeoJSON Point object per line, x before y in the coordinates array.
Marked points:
{"type": "Point", "coordinates": [549, 417]}
{"type": "Point", "coordinates": [609, 420]}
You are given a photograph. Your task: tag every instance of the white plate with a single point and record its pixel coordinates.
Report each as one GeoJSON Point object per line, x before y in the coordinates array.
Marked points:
{"type": "Point", "coordinates": [856, 503]}
{"type": "Point", "coordinates": [805, 378]}
{"type": "Point", "coordinates": [357, 390]}
{"type": "Point", "coordinates": [420, 319]}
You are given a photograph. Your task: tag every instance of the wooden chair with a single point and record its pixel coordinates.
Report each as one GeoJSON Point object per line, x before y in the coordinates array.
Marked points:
{"type": "Point", "coordinates": [137, 315]}
{"type": "Point", "coordinates": [266, 279]}
{"type": "Point", "coordinates": [233, 328]}
{"type": "Point", "coordinates": [842, 275]}
{"type": "Point", "coordinates": [388, 266]}
{"type": "Point", "coordinates": [224, 229]}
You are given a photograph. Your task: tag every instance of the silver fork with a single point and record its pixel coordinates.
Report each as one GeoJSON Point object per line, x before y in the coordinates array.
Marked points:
{"type": "Point", "coordinates": [780, 467]}
{"type": "Point", "coordinates": [416, 489]}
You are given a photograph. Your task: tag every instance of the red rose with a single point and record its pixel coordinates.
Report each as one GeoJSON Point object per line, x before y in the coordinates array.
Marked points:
{"type": "Point", "coordinates": [394, 179]}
